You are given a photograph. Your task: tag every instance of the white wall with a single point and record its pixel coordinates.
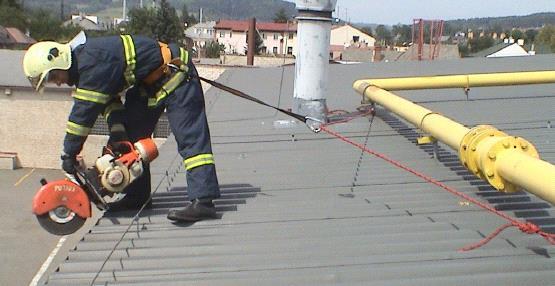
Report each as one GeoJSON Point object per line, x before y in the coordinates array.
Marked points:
{"type": "Point", "coordinates": [344, 36]}
{"type": "Point", "coordinates": [33, 126]}
{"type": "Point", "coordinates": [234, 41]}
{"type": "Point", "coordinates": [279, 40]}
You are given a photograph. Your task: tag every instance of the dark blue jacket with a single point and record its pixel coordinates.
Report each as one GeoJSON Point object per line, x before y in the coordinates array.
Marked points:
{"type": "Point", "coordinates": [101, 71]}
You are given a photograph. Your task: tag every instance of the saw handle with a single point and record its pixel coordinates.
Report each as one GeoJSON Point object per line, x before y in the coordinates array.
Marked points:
{"type": "Point", "coordinates": [118, 148]}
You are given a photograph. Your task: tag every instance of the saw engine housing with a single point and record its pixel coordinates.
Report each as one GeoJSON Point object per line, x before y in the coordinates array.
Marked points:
{"type": "Point", "coordinates": [116, 172]}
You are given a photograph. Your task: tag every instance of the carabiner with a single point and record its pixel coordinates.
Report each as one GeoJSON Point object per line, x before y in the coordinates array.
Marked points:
{"type": "Point", "coordinates": [314, 127]}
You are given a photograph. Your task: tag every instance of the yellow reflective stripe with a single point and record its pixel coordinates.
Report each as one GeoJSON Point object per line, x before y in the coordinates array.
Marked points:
{"type": "Point", "coordinates": [184, 55]}
{"type": "Point", "coordinates": [76, 129]}
{"type": "Point", "coordinates": [198, 160]}
{"type": "Point", "coordinates": [118, 127]}
{"type": "Point", "coordinates": [130, 58]}
{"type": "Point", "coordinates": [152, 102]}
{"type": "Point", "coordinates": [111, 108]}
{"type": "Point", "coordinates": [90, 95]}
{"type": "Point", "coordinates": [170, 86]}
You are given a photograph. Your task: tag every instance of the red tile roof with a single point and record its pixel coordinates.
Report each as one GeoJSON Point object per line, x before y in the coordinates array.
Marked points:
{"type": "Point", "coordinates": [18, 36]}
{"type": "Point", "coordinates": [243, 26]}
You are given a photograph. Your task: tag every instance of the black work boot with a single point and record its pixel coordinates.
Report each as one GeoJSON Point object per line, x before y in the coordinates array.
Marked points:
{"type": "Point", "coordinates": [198, 209]}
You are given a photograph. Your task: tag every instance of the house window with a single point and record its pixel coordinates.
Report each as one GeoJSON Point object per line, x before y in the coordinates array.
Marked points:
{"type": "Point", "coordinates": [264, 36]}
{"type": "Point", "coordinates": [275, 36]}
{"type": "Point", "coordinates": [274, 50]}
{"type": "Point", "coordinates": [222, 34]}
{"type": "Point", "coordinates": [290, 36]}
{"type": "Point", "coordinates": [356, 39]}
{"type": "Point", "coordinates": [230, 34]}
{"type": "Point", "coordinates": [264, 50]}
{"type": "Point", "coordinates": [289, 50]}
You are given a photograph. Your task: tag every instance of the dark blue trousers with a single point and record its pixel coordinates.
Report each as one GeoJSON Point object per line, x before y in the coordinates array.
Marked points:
{"type": "Point", "coordinates": [185, 109]}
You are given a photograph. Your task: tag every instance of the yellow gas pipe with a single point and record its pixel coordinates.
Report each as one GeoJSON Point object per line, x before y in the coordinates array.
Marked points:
{"type": "Point", "coordinates": [463, 81]}
{"type": "Point", "coordinates": [507, 163]}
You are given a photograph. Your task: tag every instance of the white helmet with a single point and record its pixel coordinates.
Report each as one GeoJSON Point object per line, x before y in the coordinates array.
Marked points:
{"type": "Point", "coordinates": [43, 57]}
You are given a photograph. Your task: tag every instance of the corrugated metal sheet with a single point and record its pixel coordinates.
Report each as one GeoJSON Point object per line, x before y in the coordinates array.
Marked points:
{"type": "Point", "coordinates": [306, 209]}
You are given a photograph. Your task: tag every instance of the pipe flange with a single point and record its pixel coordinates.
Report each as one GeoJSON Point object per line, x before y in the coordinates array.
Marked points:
{"type": "Point", "coordinates": [469, 145]}
{"type": "Point", "coordinates": [488, 160]}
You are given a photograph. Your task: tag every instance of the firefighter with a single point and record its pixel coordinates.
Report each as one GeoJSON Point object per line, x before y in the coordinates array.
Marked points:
{"type": "Point", "coordinates": [155, 77]}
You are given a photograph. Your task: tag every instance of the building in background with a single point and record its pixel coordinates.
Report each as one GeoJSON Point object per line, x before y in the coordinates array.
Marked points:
{"type": "Point", "coordinates": [86, 22]}
{"type": "Point", "coordinates": [347, 35]}
{"type": "Point", "coordinates": [201, 34]}
{"type": "Point", "coordinates": [13, 38]}
{"type": "Point", "coordinates": [278, 38]}
{"type": "Point", "coordinates": [350, 44]}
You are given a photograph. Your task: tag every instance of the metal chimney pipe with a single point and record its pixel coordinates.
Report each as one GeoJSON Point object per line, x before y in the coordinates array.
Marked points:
{"type": "Point", "coordinates": [251, 42]}
{"type": "Point", "coordinates": [311, 68]}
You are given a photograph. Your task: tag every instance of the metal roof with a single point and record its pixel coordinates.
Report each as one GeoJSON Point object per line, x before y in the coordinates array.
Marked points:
{"type": "Point", "coordinates": [307, 209]}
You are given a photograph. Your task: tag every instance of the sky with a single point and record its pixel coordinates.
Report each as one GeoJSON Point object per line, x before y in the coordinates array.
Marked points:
{"type": "Point", "coordinates": [392, 12]}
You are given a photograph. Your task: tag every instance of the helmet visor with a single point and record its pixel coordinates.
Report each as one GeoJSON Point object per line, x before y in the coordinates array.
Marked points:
{"type": "Point", "coordinates": [38, 82]}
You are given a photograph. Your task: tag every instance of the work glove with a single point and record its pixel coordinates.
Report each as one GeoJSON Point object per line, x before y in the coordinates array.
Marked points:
{"type": "Point", "coordinates": [68, 164]}
{"type": "Point", "coordinates": [120, 148]}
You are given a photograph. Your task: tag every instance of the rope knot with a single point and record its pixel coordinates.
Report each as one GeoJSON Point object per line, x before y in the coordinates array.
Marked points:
{"type": "Point", "coordinates": [528, 227]}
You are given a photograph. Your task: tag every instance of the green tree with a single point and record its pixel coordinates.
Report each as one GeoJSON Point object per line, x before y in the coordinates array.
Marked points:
{"type": "Point", "coordinates": [464, 50]}
{"type": "Point", "coordinates": [167, 26]}
{"type": "Point", "coordinates": [383, 34]}
{"type": "Point", "coordinates": [481, 43]}
{"type": "Point", "coordinates": [187, 18]}
{"type": "Point", "coordinates": [517, 34]}
{"type": "Point", "coordinates": [258, 43]}
{"type": "Point", "coordinates": [547, 36]}
{"type": "Point", "coordinates": [141, 22]}
{"type": "Point", "coordinates": [10, 3]}
{"type": "Point", "coordinates": [281, 16]}
{"type": "Point", "coordinates": [160, 23]}
{"type": "Point", "coordinates": [12, 16]}
{"type": "Point", "coordinates": [402, 34]}
{"type": "Point", "coordinates": [45, 25]}
{"type": "Point", "coordinates": [531, 35]}
{"type": "Point", "coordinates": [213, 49]}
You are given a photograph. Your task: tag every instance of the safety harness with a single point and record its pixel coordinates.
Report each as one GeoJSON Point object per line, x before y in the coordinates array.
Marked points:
{"type": "Point", "coordinates": [173, 70]}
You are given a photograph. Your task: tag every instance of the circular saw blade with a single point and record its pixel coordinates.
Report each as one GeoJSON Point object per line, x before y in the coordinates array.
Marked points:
{"type": "Point", "coordinates": [60, 225]}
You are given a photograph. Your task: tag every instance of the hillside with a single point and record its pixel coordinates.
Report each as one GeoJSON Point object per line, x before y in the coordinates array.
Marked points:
{"type": "Point", "coordinates": [263, 10]}
{"type": "Point", "coordinates": [506, 23]}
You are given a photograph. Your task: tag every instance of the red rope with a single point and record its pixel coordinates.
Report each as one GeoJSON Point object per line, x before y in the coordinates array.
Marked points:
{"type": "Point", "coordinates": [526, 227]}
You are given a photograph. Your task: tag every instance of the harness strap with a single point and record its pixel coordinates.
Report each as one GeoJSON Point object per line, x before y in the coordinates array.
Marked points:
{"type": "Point", "coordinates": [251, 98]}
{"type": "Point", "coordinates": [162, 70]}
